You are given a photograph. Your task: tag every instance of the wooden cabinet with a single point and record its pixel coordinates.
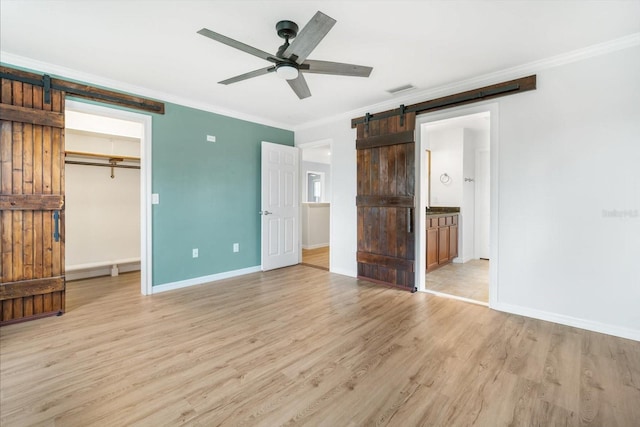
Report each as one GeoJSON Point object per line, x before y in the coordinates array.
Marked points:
{"type": "Point", "coordinates": [432, 248]}
{"type": "Point", "coordinates": [442, 240]}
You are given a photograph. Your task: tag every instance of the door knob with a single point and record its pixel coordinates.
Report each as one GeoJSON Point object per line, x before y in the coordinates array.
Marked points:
{"type": "Point", "coordinates": [265, 213]}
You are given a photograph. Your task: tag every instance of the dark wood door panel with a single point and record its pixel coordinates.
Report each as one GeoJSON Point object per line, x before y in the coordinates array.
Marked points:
{"type": "Point", "coordinates": [386, 201]}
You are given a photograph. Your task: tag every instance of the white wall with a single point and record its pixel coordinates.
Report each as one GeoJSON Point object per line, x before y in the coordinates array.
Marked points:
{"type": "Point", "coordinates": [102, 215]}
{"type": "Point", "coordinates": [569, 195]}
{"type": "Point", "coordinates": [569, 152]}
{"type": "Point", "coordinates": [446, 158]}
{"type": "Point", "coordinates": [315, 225]}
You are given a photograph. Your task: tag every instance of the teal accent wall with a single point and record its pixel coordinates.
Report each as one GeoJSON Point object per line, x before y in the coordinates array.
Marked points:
{"type": "Point", "coordinates": [209, 192]}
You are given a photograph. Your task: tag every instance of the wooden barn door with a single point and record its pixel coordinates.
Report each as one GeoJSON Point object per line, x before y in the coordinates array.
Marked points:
{"type": "Point", "coordinates": [32, 282]}
{"type": "Point", "coordinates": [385, 200]}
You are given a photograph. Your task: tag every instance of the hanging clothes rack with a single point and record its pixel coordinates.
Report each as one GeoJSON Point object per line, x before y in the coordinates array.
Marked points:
{"type": "Point", "coordinates": [114, 160]}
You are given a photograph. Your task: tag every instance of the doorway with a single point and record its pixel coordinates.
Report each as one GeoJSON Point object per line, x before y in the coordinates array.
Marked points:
{"type": "Point", "coordinates": [456, 152]}
{"type": "Point", "coordinates": [316, 204]}
{"type": "Point", "coordinates": [100, 132]}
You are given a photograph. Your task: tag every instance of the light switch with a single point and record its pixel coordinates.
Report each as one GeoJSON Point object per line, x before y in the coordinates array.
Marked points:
{"type": "Point", "coordinates": [155, 199]}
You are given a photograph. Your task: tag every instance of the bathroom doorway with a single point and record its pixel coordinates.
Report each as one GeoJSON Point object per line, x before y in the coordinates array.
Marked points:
{"type": "Point", "coordinates": [457, 190]}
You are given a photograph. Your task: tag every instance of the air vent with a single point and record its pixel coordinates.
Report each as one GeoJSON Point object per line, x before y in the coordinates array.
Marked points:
{"type": "Point", "coordinates": [402, 88]}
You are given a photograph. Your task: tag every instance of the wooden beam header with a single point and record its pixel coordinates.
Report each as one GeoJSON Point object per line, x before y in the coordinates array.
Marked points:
{"type": "Point", "coordinates": [487, 92]}
{"type": "Point", "coordinates": [83, 91]}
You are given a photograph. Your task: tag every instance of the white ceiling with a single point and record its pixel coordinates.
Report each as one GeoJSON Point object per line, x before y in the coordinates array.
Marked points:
{"type": "Point", "coordinates": [152, 46]}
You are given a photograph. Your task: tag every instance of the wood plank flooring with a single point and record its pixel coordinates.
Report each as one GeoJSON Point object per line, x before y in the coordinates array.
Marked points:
{"type": "Point", "coordinates": [468, 280]}
{"type": "Point", "coordinates": [301, 346]}
{"type": "Point", "coordinates": [318, 258]}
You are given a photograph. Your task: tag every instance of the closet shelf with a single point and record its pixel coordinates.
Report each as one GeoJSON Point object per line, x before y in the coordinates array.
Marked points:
{"type": "Point", "coordinates": [110, 157]}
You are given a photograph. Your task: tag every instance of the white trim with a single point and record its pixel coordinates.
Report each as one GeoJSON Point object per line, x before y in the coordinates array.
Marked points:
{"type": "Point", "coordinates": [318, 246]}
{"type": "Point", "coordinates": [314, 144]}
{"type": "Point", "coordinates": [421, 202]}
{"type": "Point", "coordinates": [632, 334]}
{"type": "Point", "coordinates": [100, 271]}
{"type": "Point", "coordinates": [457, 298]}
{"type": "Point", "coordinates": [145, 120]}
{"type": "Point", "coordinates": [614, 45]}
{"type": "Point", "coordinates": [205, 279]}
{"type": "Point", "coordinates": [100, 264]}
{"type": "Point", "coordinates": [421, 199]}
{"type": "Point", "coordinates": [69, 73]}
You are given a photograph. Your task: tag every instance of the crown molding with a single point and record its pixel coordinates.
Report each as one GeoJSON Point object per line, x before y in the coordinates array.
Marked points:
{"type": "Point", "coordinates": [523, 70]}
{"type": "Point", "coordinates": [10, 59]}
{"type": "Point", "coordinates": [614, 45]}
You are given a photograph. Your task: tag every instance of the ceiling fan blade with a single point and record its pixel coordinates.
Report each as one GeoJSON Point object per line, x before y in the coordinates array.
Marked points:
{"type": "Point", "coordinates": [336, 68]}
{"type": "Point", "coordinates": [309, 37]}
{"type": "Point", "coordinates": [236, 44]}
{"type": "Point", "coordinates": [299, 86]}
{"type": "Point", "coordinates": [250, 74]}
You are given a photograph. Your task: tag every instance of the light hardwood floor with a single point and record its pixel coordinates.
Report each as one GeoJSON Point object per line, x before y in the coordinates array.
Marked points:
{"type": "Point", "coordinates": [468, 280]}
{"type": "Point", "coordinates": [301, 346]}
{"type": "Point", "coordinates": [316, 257]}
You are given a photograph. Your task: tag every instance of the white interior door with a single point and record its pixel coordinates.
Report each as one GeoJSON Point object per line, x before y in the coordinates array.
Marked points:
{"type": "Point", "coordinates": [482, 203]}
{"type": "Point", "coordinates": [280, 206]}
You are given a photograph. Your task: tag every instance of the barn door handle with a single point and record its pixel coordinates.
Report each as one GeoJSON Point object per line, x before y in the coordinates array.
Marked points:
{"type": "Point", "coordinates": [56, 226]}
{"type": "Point", "coordinates": [410, 220]}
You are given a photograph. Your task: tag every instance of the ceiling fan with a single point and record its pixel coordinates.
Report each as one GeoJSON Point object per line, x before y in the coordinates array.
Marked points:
{"type": "Point", "coordinates": [291, 59]}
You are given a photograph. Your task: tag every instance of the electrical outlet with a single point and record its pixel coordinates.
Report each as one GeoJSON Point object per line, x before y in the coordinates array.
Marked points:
{"type": "Point", "coordinates": [194, 253]}
{"type": "Point", "coordinates": [236, 247]}
{"type": "Point", "coordinates": [211, 138]}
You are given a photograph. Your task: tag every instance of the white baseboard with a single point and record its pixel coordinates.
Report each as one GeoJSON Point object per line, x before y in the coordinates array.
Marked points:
{"type": "Point", "coordinates": [622, 332]}
{"type": "Point", "coordinates": [76, 273]}
{"type": "Point", "coordinates": [318, 246]}
{"type": "Point", "coordinates": [204, 279]}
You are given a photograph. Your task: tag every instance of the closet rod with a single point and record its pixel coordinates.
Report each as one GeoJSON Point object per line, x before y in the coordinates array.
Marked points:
{"type": "Point", "coordinates": [101, 156]}
{"type": "Point", "coordinates": [106, 165]}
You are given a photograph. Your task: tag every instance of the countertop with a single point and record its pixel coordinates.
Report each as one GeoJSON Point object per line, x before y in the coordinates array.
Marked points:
{"type": "Point", "coordinates": [442, 210]}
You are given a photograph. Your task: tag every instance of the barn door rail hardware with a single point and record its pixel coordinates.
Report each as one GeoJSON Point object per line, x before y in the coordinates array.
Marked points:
{"type": "Point", "coordinates": [476, 95]}
{"type": "Point", "coordinates": [114, 161]}
{"type": "Point", "coordinates": [80, 90]}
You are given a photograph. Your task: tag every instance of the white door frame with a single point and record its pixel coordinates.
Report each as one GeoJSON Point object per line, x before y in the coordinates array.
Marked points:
{"type": "Point", "coordinates": [477, 214]}
{"type": "Point", "coordinates": [145, 120]}
{"type": "Point", "coordinates": [421, 193]}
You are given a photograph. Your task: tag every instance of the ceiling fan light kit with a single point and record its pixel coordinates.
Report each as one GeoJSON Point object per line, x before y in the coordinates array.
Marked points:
{"type": "Point", "coordinates": [287, 71]}
{"type": "Point", "coordinates": [290, 62]}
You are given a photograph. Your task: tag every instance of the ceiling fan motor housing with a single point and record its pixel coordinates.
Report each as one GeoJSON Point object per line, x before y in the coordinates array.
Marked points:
{"type": "Point", "coordinates": [287, 29]}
